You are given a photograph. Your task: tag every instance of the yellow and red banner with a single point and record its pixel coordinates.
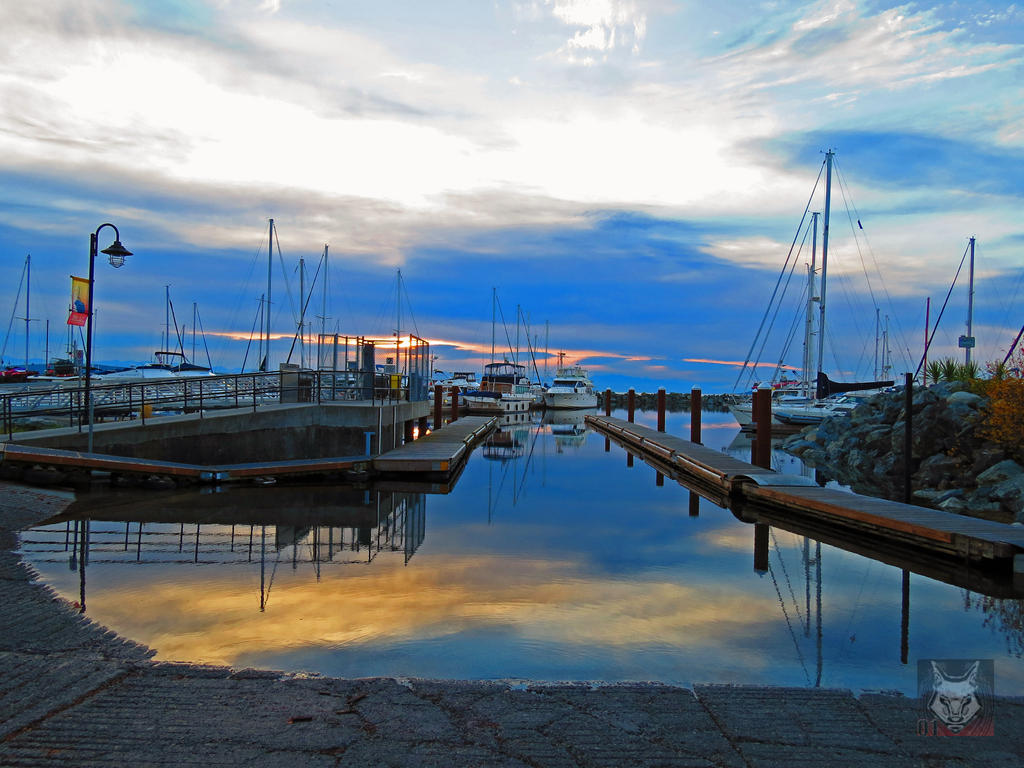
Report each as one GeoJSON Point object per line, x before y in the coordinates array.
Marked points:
{"type": "Point", "coordinates": [79, 301]}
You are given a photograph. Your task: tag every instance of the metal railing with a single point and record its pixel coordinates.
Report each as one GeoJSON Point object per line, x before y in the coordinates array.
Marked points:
{"type": "Point", "coordinates": [141, 399]}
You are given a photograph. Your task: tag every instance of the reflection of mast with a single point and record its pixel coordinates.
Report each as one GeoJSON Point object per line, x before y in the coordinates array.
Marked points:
{"type": "Point", "coordinates": [760, 556]}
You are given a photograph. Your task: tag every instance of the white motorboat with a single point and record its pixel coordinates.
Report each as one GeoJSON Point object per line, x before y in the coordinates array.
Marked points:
{"type": "Point", "coordinates": [572, 388]}
{"type": "Point", "coordinates": [504, 388]}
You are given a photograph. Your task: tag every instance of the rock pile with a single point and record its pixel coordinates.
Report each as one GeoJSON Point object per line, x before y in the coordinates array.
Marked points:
{"type": "Point", "coordinates": [953, 468]}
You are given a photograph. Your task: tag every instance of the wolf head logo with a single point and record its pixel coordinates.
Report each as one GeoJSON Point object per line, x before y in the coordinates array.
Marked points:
{"type": "Point", "coordinates": [954, 699]}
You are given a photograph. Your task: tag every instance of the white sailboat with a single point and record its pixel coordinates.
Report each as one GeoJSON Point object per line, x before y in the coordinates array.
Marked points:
{"type": "Point", "coordinates": [798, 401]}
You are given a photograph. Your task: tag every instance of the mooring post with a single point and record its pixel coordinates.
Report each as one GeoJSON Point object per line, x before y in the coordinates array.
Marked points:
{"type": "Point", "coordinates": [438, 406]}
{"type": "Point", "coordinates": [694, 504]}
{"type": "Point", "coordinates": [455, 403]}
{"type": "Point", "coordinates": [761, 531]}
{"type": "Point", "coordinates": [422, 425]}
{"type": "Point", "coordinates": [630, 404]}
{"type": "Point", "coordinates": [661, 409]}
{"type": "Point", "coordinates": [409, 434]}
{"type": "Point", "coordinates": [629, 459]}
{"type": "Point", "coordinates": [695, 406]}
{"type": "Point", "coordinates": [905, 619]}
{"type": "Point", "coordinates": [763, 422]}
{"type": "Point", "coordinates": [607, 402]}
{"type": "Point", "coordinates": [659, 480]}
{"type": "Point", "coordinates": [908, 434]}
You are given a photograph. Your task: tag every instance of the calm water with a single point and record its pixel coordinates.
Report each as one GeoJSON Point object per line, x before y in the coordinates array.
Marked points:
{"type": "Point", "coordinates": [550, 559]}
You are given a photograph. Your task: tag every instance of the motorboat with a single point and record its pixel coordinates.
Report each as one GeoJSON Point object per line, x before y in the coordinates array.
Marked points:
{"type": "Point", "coordinates": [504, 388]}
{"type": "Point", "coordinates": [571, 388]}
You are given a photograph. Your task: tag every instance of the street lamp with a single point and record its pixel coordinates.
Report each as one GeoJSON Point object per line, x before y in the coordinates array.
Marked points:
{"type": "Point", "coordinates": [117, 254]}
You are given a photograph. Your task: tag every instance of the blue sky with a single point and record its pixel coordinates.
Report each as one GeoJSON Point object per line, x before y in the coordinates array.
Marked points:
{"type": "Point", "coordinates": [630, 172]}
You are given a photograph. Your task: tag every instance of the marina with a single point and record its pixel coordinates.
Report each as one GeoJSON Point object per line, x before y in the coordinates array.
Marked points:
{"type": "Point", "coordinates": [508, 580]}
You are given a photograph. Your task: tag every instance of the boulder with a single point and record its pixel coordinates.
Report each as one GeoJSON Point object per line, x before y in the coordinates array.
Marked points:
{"type": "Point", "coordinates": [998, 473]}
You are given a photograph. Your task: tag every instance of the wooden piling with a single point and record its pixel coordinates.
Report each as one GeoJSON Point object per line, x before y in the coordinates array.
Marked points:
{"type": "Point", "coordinates": [422, 424]}
{"type": "Point", "coordinates": [762, 455]}
{"type": "Point", "coordinates": [695, 415]}
{"type": "Point", "coordinates": [761, 531]}
{"type": "Point", "coordinates": [607, 402]}
{"type": "Point", "coordinates": [438, 406]}
{"type": "Point", "coordinates": [408, 433]}
{"type": "Point", "coordinates": [908, 435]}
{"type": "Point", "coordinates": [661, 409]}
{"type": "Point", "coordinates": [455, 403]}
{"type": "Point", "coordinates": [630, 405]}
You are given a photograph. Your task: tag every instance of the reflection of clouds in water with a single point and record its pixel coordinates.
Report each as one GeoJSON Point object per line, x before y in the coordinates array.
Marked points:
{"type": "Point", "coordinates": [542, 600]}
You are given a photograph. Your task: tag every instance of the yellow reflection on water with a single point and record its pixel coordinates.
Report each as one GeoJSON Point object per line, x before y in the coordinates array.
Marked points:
{"type": "Point", "coordinates": [213, 616]}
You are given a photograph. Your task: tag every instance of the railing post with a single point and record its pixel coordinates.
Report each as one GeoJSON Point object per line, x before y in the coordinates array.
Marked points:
{"type": "Point", "coordinates": [661, 409]}
{"type": "Point", "coordinates": [200, 398]}
{"type": "Point", "coordinates": [142, 407]}
{"type": "Point", "coordinates": [695, 414]}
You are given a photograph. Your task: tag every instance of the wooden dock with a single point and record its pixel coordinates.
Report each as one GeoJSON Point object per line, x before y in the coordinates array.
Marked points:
{"type": "Point", "coordinates": [439, 452]}
{"type": "Point", "coordinates": [71, 460]}
{"type": "Point", "coordinates": [763, 495]}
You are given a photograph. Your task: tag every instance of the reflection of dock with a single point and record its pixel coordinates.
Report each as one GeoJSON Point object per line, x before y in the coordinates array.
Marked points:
{"type": "Point", "coordinates": [935, 543]}
{"type": "Point", "coordinates": [320, 526]}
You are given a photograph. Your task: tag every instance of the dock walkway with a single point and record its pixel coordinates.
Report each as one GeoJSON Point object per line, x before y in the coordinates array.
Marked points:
{"type": "Point", "coordinates": [755, 488]}
{"type": "Point", "coordinates": [440, 451]}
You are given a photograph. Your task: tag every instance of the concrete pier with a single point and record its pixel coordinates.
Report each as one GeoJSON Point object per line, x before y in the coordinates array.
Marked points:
{"type": "Point", "coordinates": [75, 694]}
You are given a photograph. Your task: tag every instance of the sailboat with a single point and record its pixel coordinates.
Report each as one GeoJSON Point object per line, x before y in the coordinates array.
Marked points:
{"type": "Point", "coordinates": [504, 386]}
{"type": "Point", "coordinates": [805, 401]}
{"type": "Point", "coordinates": [167, 363]}
{"type": "Point", "coordinates": [16, 374]}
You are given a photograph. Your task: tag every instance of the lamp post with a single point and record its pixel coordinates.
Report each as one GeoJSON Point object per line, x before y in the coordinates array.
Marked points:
{"type": "Point", "coordinates": [116, 253]}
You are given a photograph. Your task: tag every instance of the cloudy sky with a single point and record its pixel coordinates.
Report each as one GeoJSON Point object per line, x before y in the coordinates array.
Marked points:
{"type": "Point", "coordinates": [631, 173]}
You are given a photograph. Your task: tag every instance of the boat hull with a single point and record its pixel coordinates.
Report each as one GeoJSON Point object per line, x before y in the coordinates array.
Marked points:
{"type": "Point", "coordinates": [570, 399]}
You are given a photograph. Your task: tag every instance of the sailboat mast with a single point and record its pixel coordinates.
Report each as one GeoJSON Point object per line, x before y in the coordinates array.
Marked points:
{"type": "Point", "coordinates": [970, 311]}
{"type": "Point", "coordinates": [398, 317]}
{"type": "Point", "coordinates": [824, 259]}
{"type": "Point", "coordinates": [494, 318]}
{"type": "Point", "coordinates": [28, 296]}
{"type": "Point", "coordinates": [302, 312]}
{"type": "Point", "coordinates": [270, 268]}
{"type": "Point", "coordinates": [167, 318]}
{"type": "Point", "coordinates": [809, 366]}
{"type": "Point", "coordinates": [194, 312]}
{"type": "Point", "coordinates": [323, 300]}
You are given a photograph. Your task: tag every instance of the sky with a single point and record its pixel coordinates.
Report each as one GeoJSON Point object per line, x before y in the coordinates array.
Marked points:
{"type": "Point", "coordinates": [627, 177]}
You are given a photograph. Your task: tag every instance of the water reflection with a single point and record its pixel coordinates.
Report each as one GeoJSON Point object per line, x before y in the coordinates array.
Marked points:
{"type": "Point", "coordinates": [549, 559]}
{"type": "Point", "coordinates": [321, 526]}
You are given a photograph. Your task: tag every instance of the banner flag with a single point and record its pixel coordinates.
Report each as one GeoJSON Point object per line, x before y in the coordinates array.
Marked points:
{"type": "Point", "coordinates": [79, 301]}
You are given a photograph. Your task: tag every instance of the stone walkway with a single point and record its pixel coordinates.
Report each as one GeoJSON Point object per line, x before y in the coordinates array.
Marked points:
{"type": "Point", "coordinates": [75, 694]}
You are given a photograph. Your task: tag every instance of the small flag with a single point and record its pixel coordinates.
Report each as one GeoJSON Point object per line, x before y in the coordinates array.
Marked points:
{"type": "Point", "coordinates": [79, 301]}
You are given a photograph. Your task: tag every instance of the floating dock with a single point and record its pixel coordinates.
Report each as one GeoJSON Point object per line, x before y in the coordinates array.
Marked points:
{"type": "Point", "coordinates": [439, 452]}
{"type": "Point", "coordinates": [438, 455]}
{"type": "Point", "coordinates": [756, 494]}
